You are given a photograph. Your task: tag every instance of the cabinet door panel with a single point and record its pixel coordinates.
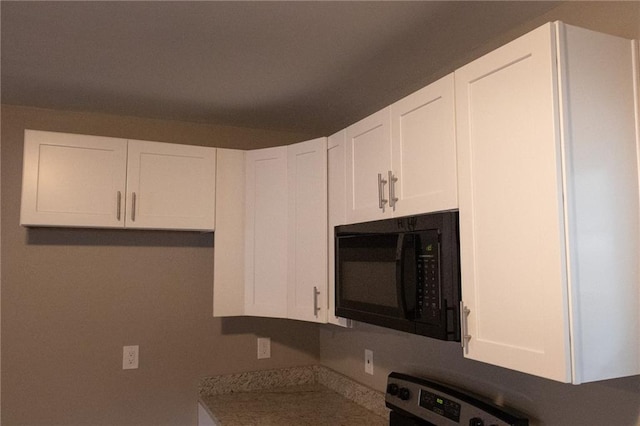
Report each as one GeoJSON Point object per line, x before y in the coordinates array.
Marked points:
{"type": "Point", "coordinates": [368, 154]}
{"type": "Point", "coordinates": [174, 186]}
{"type": "Point", "coordinates": [266, 232]}
{"type": "Point", "coordinates": [73, 180]}
{"type": "Point", "coordinates": [511, 216]}
{"type": "Point", "coordinates": [424, 150]}
{"type": "Point", "coordinates": [307, 165]}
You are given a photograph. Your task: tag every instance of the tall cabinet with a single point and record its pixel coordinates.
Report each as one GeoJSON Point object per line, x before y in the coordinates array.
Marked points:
{"type": "Point", "coordinates": [549, 217]}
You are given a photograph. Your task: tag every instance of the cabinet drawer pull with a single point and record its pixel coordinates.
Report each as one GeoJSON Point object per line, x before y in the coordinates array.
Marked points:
{"type": "Point", "coordinates": [119, 206]}
{"type": "Point", "coordinates": [392, 190]}
{"type": "Point", "coordinates": [381, 200]}
{"type": "Point", "coordinates": [133, 207]}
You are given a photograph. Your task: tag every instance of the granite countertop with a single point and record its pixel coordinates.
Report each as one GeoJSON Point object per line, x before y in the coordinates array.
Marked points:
{"type": "Point", "coordinates": [298, 396]}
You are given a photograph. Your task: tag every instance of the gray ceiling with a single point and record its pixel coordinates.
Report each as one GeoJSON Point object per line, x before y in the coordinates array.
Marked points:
{"type": "Point", "coordinates": [310, 67]}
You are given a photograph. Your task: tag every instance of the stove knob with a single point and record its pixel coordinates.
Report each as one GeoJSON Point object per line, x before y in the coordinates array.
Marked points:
{"type": "Point", "coordinates": [404, 394]}
{"type": "Point", "coordinates": [476, 421]}
{"type": "Point", "coordinates": [392, 389]}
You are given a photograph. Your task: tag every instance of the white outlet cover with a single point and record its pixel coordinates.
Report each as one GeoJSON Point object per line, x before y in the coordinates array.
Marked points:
{"type": "Point", "coordinates": [264, 347]}
{"type": "Point", "coordinates": [130, 357]}
{"type": "Point", "coordinates": [368, 361]}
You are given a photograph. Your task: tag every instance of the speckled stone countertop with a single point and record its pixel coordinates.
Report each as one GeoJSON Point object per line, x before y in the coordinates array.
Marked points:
{"type": "Point", "coordinates": [295, 396]}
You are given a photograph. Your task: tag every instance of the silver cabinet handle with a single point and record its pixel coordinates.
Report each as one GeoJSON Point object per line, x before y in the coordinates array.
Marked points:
{"type": "Point", "coordinates": [316, 308]}
{"type": "Point", "coordinates": [392, 190]}
{"type": "Point", "coordinates": [133, 207]}
{"type": "Point", "coordinates": [119, 206]}
{"type": "Point", "coordinates": [464, 314]}
{"type": "Point", "coordinates": [381, 200]}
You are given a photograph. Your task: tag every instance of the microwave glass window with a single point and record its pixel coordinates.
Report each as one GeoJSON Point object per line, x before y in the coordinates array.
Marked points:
{"type": "Point", "coordinates": [369, 282]}
{"type": "Point", "coordinates": [368, 269]}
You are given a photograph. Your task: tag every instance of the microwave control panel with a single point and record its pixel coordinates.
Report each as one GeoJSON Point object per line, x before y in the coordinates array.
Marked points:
{"type": "Point", "coordinates": [428, 288]}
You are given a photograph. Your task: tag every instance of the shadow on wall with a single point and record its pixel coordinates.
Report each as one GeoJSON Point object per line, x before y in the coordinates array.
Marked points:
{"type": "Point", "coordinates": [117, 237]}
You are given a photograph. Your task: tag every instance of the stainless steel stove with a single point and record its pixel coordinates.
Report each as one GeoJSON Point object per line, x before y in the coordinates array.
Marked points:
{"type": "Point", "coordinates": [420, 402]}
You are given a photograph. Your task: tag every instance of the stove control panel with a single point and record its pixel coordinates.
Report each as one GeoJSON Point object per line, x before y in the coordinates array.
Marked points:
{"type": "Point", "coordinates": [437, 404]}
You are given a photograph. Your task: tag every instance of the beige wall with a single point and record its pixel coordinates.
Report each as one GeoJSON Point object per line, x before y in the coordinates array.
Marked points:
{"type": "Point", "coordinates": [611, 402]}
{"type": "Point", "coordinates": [71, 298]}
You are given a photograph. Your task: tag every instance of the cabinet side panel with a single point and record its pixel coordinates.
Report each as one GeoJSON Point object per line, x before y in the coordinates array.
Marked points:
{"type": "Point", "coordinates": [228, 267]}
{"type": "Point", "coordinates": [602, 202]}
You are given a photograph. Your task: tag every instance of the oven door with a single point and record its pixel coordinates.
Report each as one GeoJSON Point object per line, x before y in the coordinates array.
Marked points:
{"type": "Point", "coordinates": [375, 279]}
{"type": "Point", "coordinates": [397, 418]}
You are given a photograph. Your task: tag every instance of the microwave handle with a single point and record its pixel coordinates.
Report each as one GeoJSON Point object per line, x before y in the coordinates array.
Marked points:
{"type": "Point", "coordinates": [400, 274]}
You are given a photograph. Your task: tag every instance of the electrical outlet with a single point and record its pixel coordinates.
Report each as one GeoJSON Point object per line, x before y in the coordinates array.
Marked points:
{"type": "Point", "coordinates": [368, 361]}
{"type": "Point", "coordinates": [129, 357]}
{"type": "Point", "coordinates": [264, 347]}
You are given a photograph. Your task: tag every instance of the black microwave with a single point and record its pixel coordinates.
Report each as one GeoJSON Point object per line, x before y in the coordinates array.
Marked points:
{"type": "Point", "coordinates": [401, 273]}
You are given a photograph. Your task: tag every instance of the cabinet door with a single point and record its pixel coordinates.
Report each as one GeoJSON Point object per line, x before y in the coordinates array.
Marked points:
{"type": "Point", "coordinates": [266, 232]}
{"type": "Point", "coordinates": [307, 281]}
{"type": "Point", "coordinates": [170, 186]}
{"type": "Point", "coordinates": [511, 217]}
{"type": "Point", "coordinates": [368, 156]}
{"type": "Point", "coordinates": [337, 201]}
{"type": "Point", "coordinates": [73, 180]}
{"type": "Point", "coordinates": [423, 144]}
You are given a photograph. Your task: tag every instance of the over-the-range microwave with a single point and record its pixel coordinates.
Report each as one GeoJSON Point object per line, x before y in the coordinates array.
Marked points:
{"type": "Point", "coordinates": [401, 273]}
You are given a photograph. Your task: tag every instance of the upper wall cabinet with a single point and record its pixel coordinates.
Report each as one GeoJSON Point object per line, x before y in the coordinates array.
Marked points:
{"type": "Point", "coordinates": [402, 160]}
{"type": "Point", "coordinates": [91, 181]}
{"type": "Point", "coordinates": [548, 181]}
{"type": "Point", "coordinates": [286, 231]}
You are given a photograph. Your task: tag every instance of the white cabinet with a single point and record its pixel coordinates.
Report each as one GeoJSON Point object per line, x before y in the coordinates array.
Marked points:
{"type": "Point", "coordinates": [423, 150]}
{"type": "Point", "coordinates": [402, 160]}
{"type": "Point", "coordinates": [266, 226]}
{"type": "Point", "coordinates": [91, 181]}
{"type": "Point", "coordinates": [286, 231]}
{"type": "Point", "coordinates": [170, 186]}
{"type": "Point", "coordinates": [73, 180]}
{"type": "Point", "coordinates": [368, 165]}
{"type": "Point", "coordinates": [337, 202]}
{"type": "Point", "coordinates": [307, 280]}
{"type": "Point", "coordinates": [548, 186]}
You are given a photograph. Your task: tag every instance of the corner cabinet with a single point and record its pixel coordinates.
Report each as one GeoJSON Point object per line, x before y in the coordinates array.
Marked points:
{"type": "Point", "coordinates": [549, 217]}
{"type": "Point", "coordinates": [100, 182]}
{"type": "Point", "coordinates": [285, 232]}
{"type": "Point", "coordinates": [402, 159]}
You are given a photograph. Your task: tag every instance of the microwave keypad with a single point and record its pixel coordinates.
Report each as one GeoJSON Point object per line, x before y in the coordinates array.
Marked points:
{"type": "Point", "coordinates": [429, 283]}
